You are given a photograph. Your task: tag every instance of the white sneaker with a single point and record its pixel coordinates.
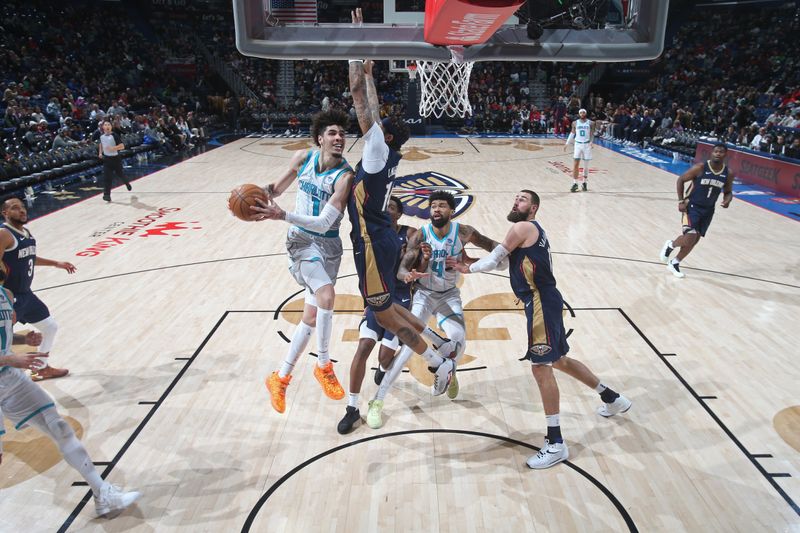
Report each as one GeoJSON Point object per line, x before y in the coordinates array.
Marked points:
{"type": "Point", "coordinates": [113, 500]}
{"type": "Point", "coordinates": [675, 269]}
{"type": "Point", "coordinates": [442, 377]}
{"type": "Point", "coordinates": [620, 405]}
{"type": "Point", "coordinates": [549, 455]}
{"type": "Point", "coordinates": [665, 251]}
{"type": "Point", "coordinates": [449, 350]}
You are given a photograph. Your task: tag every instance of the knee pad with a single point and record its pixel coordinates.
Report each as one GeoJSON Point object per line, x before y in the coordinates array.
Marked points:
{"type": "Point", "coordinates": [314, 275]}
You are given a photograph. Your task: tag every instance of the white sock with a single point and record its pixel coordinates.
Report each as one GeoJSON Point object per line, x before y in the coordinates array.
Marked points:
{"type": "Point", "coordinates": [600, 388]}
{"type": "Point", "coordinates": [324, 326]}
{"type": "Point", "coordinates": [553, 420]}
{"type": "Point", "coordinates": [574, 181]}
{"type": "Point", "coordinates": [393, 372]}
{"type": "Point", "coordinates": [380, 367]}
{"type": "Point", "coordinates": [432, 358]}
{"type": "Point", "coordinates": [302, 334]}
{"type": "Point", "coordinates": [432, 336]}
{"type": "Point", "coordinates": [352, 399]}
{"type": "Point", "coordinates": [675, 261]}
{"type": "Point", "coordinates": [671, 245]}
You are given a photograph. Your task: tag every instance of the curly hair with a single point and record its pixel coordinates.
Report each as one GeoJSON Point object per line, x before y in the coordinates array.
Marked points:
{"type": "Point", "coordinates": [321, 121]}
{"type": "Point", "coordinates": [443, 195]}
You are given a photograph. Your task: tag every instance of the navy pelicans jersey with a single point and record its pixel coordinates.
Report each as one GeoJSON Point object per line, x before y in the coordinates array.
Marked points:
{"type": "Point", "coordinates": [369, 199]}
{"type": "Point", "coordinates": [19, 261]}
{"type": "Point", "coordinates": [531, 269]}
{"type": "Point", "coordinates": [315, 188]}
{"type": "Point", "coordinates": [401, 288]}
{"type": "Point", "coordinates": [450, 245]}
{"type": "Point", "coordinates": [706, 187]}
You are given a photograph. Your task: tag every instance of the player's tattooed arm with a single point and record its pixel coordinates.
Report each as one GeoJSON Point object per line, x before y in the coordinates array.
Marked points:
{"type": "Point", "coordinates": [473, 236]}
{"type": "Point", "coordinates": [406, 271]}
{"type": "Point", "coordinates": [687, 177]}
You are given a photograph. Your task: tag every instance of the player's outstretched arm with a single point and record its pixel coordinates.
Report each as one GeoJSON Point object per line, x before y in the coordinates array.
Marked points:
{"type": "Point", "coordinates": [321, 223]}
{"type": "Point", "coordinates": [64, 265]}
{"type": "Point", "coordinates": [406, 271]}
{"type": "Point", "coordinates": [518, 233]}
{"type": "Point", "coordinates": [473, 236]}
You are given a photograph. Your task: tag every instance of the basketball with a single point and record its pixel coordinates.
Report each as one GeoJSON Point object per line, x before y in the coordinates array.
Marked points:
{"type": "Point", "coordinates": [243, 197]}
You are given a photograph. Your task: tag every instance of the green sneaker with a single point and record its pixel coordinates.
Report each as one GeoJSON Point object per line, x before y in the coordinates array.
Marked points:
{"type": "Point", "coordinates": [452, 389]}
{"type": "Point", "coordinates": [374, 419]}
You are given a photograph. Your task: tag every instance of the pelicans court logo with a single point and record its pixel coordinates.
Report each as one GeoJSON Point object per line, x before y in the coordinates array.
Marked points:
{"type": "Point", "coordinates": [413, 191]}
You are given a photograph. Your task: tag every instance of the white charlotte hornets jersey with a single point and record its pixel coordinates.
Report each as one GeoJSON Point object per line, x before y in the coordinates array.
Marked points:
{"type": "Point", "coordinates": [6, 324]}
{"type": "Point", "coordinates": [314, 189]}
{"type": "Point", "coordinates": [441, 279]}
{"type": "Point", "coordinates": [583, 131]}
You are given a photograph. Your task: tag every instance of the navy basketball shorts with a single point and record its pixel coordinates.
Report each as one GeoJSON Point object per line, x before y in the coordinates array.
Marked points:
{"type": "Point", "coordinates": [369, 327]}
{"type": "Point", "coordinates": [375, 260]}
{"type": "Point", "coordinates": [697, 218]}
{"type": "Point", "coordinates": [547, 339]}
{"type": "Point", "coordinates": [29, 308]}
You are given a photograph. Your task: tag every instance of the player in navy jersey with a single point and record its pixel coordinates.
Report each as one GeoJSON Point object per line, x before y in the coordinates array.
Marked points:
{"type": "Point", "coordinates": [371, 332]}
{"type": "Point", "coordinates": [707, 181]}
{"type": "Point", "coordinates": [532, 281]}
{"type": "Point", "coordinates": [375, 246]}
{"type": "Point", "coordinates": [20, 258]}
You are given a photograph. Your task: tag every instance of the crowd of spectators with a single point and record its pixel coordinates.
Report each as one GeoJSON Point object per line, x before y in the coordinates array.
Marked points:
{"type": "Point", "coordinates": [57, 86]}
{"type": "Point", "coordinates": [730, 74]}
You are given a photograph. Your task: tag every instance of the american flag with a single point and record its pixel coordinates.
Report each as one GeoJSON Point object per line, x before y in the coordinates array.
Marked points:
{"type": "Point", "coordinates": [290, 11]}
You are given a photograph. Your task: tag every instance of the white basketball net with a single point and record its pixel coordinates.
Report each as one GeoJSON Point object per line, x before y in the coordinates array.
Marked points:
{"type": "Point", "coordinates": [444, 86]}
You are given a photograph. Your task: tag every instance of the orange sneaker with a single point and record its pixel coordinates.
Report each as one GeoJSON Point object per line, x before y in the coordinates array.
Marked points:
{"type": "Point", "coordinates": [326, 378]}
{"type": "Point", "coordinates": [48, 372]}
{"type": "Point", "coordinates": [276, 386]}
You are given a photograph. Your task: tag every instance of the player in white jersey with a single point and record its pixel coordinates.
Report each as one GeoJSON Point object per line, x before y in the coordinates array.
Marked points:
{"type": "Point", "coordinates": [583, 135]}
{"type": "Point", "coordinates": [313, 245]}
{"type": "Point", "coordinates": [25, 403]}
{"type": "Point", "coordinates": [435, 287]}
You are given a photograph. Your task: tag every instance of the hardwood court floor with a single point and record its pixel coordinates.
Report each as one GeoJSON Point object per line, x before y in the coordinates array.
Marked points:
{"type": "Point", "coordinates": [171, 324]}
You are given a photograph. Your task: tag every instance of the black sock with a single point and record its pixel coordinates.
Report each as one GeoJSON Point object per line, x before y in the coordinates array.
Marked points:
{"type": "Point", "coordinates": [554, 434]}
{"type": "Point", "coordinates": [608, 395]}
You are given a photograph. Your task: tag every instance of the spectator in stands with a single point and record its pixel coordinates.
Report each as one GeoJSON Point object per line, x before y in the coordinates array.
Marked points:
{"type": "Point", "coordinates": [731, 136]}
{"type": "Point", "coordinates": [793, 150]}
{"type": "Point", "coordinates": [792, 120]}
{"type": "Point", "coordinates": [294, 125]}
{"type": "Point", "coordinates": [62, 139]}
{"type": "Point", "coordinates": [779, 146]}
{"type": "Point", "coordinates": [755, 143]}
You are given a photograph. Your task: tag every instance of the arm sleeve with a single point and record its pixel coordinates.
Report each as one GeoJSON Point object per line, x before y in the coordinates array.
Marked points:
{"type": "Point", "coordinates": [318, 224]}
{"type": "Point", "coordinates": [570, 138]}
{"type": "Point", "coordinates": [376, 151]}
{"type": "Point", "coordinates": [491, 261]}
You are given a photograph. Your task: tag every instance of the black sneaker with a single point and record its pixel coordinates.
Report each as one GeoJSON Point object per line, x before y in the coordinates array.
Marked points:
{"type": "Point", "coordinates": [128, 186]}
{"type": "Point", "coordinates": [351, 418]}
{"type": "Point", "coordinates": [379, 375]}
{"type": "Point", "coordinates": [574, 188]}
{"type": "Point", "coordinates": [585, 186]}
{"type": "Point", "coordinates": [107, 198]}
